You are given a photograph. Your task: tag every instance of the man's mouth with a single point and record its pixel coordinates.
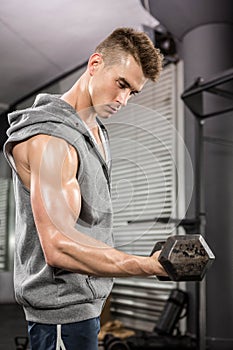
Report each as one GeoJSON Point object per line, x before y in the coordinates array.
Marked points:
{"type": "Point", "coordinates": [112, 109]}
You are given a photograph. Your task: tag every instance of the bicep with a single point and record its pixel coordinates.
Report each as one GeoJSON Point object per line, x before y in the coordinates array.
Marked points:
{"type": "Point", "coordinates": [55, 193]}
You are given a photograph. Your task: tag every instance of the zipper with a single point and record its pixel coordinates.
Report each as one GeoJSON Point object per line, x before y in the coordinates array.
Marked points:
{"type": "Point", "coordinates": [102, 161]}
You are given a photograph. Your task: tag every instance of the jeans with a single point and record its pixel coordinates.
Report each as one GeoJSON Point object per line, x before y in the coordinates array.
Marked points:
{"type": "Point", "coordinates": [81, 335]}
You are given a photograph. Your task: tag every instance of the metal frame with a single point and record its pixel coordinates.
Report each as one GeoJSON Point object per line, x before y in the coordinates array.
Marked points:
{"type": "Point", "coordinates": [195, 92]}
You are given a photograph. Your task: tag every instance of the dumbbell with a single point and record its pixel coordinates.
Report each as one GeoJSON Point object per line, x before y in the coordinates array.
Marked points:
{"type": "Point", "coordinates": [114, 343]}
{"type": "Point", "coordinates": [21, 343]}
{"type": "Point", "coordinates": [184, 257]}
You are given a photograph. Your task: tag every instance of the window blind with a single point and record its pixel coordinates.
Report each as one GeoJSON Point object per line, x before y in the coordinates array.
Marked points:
{"type": "Point", "coordinates": [4, 194]}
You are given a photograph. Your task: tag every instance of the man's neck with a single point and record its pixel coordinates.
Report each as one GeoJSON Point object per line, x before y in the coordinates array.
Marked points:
{"type": "Point", "coordinates": [78, 97]}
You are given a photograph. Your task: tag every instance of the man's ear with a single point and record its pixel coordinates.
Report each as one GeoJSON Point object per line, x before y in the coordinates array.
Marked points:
{"type": "Point", "coordinates": [95, 61]}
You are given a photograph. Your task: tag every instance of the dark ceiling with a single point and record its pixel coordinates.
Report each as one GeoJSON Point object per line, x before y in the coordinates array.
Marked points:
{"type": "Point", "coordinates": [181, 16]}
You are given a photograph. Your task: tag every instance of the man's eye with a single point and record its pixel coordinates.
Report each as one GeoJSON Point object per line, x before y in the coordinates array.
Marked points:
{"type": "Point", "coordinates": [133, 93]}
{"type": "Point", "coordinates": [121, 85]}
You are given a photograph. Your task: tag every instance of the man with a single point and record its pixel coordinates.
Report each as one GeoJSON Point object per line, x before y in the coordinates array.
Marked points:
{"type": "Point", "coordinates": [58, 149]}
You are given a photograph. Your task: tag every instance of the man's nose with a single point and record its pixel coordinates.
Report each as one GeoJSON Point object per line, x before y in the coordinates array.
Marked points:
{"type": "Point", "coordinates": [123, 97]}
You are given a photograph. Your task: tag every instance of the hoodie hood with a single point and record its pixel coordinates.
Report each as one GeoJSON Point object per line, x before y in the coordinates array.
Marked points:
{"type": "Point", "coordinates": [46, 108]}
{"type": "Point", "coordinates": [49, 115]}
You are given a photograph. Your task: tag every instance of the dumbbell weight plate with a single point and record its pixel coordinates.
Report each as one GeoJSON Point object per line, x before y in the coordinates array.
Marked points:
{"type": "Point", "coordinates": [185, 257]}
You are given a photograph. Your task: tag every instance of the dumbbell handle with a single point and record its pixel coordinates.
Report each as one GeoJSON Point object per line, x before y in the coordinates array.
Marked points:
{"type": "Point", "coordinates": [159, 246]}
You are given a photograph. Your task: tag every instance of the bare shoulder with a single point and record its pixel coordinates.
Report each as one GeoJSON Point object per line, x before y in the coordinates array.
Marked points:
{"type": "Point", "coordinates": [51, 153]}
{"type": "Point", "coordinates": [40, 142]}
{"type": "Point", "coordinates": [35, 143]}
{"type": "Point", "coordinates": [49, 147]}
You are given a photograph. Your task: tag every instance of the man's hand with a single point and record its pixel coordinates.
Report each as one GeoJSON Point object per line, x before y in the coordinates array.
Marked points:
{"type": "Point", "coordinates": [161, 271]}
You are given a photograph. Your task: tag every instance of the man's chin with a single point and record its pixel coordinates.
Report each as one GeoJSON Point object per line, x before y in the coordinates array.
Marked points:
{"type": "Point", "coordinates": [105, 110]}
{"type": "Point", "coordinates": [105, 113]}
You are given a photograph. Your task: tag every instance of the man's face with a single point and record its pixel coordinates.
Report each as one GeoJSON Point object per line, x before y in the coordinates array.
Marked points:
{"type": "Point", "coordinates": [111, 87]}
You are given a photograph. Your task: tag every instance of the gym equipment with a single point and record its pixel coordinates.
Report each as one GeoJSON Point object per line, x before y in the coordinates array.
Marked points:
{"type": "Point", "coordinates": [184, 257]}
{"type": "Point", "coordinates": [21, 343]}
{"type": "Point", "coordinates": [163, 336]}
{"type": "Point", "coordinates": [151, 341]}
{"type": "Point", "coordinates": [114, 343]}
{"type": "Point", "coordinates": [171, 314]}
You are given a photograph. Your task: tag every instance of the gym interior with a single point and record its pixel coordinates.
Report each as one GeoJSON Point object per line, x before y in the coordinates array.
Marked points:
{"type": "Point", "coordinates": [187, 129]}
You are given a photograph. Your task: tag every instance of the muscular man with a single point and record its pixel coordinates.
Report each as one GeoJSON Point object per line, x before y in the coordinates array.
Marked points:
{"type": "Point", "coordinates": [64, 255]}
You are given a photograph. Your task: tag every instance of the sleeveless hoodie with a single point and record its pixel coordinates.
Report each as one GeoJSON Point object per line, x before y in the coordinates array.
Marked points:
{"type": "Point", "coordinates": [51, 295]}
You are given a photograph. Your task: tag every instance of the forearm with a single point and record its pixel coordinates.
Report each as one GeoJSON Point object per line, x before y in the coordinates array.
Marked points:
{"type": "Point", "coordinates": [89, 256]}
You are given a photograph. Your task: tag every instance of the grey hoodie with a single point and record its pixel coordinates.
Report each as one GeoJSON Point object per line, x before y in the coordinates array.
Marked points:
{"type": "Point", "coordinates": [50, 295]}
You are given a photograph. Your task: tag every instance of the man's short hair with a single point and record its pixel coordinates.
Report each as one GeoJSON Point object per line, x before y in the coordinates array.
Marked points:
{"type": "Point", "coordinates": [128, 41]}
